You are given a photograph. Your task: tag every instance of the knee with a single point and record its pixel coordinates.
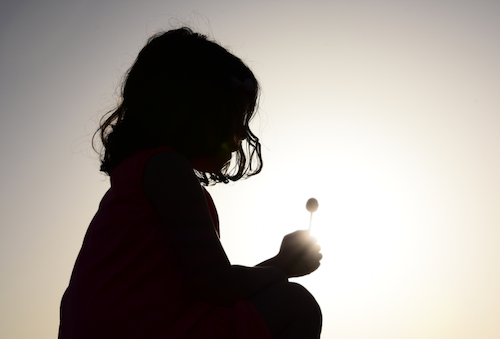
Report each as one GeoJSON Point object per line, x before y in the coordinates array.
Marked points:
{"type": "Point", "coordinates": [289, 304]}
{"type": "Point", "coordinates": [303, 299]}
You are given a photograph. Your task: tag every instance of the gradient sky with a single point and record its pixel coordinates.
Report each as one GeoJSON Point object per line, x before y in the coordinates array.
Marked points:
{"type": "Point", "coordinates": [388, 112]}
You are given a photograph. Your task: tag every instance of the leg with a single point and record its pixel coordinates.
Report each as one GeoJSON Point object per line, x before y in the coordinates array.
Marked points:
{"type": "Point", "coordinates": [289, 311]}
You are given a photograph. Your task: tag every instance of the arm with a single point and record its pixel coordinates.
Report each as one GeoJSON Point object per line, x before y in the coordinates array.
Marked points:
{"type": "Point", "coordinates": [175, 193]}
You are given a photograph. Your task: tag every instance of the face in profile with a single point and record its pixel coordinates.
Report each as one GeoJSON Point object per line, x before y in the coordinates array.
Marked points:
{"type": "Point", "coordinates": [217, 162]}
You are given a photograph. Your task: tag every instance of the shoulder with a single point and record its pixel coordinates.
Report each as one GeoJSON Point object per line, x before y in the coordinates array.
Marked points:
{"type": "Point", "coordinates": [136, 163]}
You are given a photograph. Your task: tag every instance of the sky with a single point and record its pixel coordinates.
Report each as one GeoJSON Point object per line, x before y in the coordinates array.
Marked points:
{"type": "Point", "coordinates": [387, 112]}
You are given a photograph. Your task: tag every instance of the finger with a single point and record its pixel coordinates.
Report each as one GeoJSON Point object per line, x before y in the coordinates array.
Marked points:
{"type": "Point", "coordinates": [301, 238]}
{"type": "Point", "coordinates": [313, 266]}
{"type": "Point", "coordinates": [313, 248]}
{"type": "Point", "coordinates": [317, 248]}
{"type": "Point", "coordinates": [312, 256]}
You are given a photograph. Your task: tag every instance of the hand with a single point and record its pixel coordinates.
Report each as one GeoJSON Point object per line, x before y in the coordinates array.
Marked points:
{"type": "Point", "coordinates": [299, 254]}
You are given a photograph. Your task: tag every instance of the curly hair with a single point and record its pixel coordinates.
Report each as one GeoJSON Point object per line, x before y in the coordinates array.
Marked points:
{"type": "Point", "coordinates": [179, 93]}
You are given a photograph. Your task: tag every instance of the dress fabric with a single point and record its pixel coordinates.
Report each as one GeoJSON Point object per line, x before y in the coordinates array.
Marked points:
{"type": "Point", "coordinates": [127, 283]}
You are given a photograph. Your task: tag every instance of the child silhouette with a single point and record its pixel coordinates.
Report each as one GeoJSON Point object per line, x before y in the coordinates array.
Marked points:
{"type": "Point", "coordinates": [151, 264]}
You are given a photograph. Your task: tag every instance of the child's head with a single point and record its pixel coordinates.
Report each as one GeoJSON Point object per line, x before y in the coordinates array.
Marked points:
{"type": "Point", "coordinates": [188, 93]}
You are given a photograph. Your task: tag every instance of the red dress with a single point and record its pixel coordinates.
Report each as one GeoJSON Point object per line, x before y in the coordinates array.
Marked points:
{"type": "Point", "coordinates": [127, 284]}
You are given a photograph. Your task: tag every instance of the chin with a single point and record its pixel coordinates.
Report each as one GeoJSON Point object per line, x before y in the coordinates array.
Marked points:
{"type": "Point", "coordinates": [211, 164]}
